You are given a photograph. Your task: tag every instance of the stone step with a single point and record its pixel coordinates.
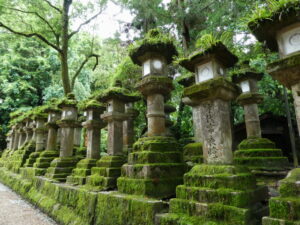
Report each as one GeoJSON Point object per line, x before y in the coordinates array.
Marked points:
{"type": "Point", "coordinates": [156, 188]}
{"type": "Point", "coordinates": [267, 163]}
{"type": "Point", "coordinates": [242, 181]}
{"type": "Point", "coordinates": [146, 157]}
{"type": "Point", "coordinates": [275, 221]}
{"type": "Point", "coordinates": [258, 153]}
{"type": "Point", "coordinates": [158, 170]}
{"type": "Point", "coordinates": [107, 172]}
{"type": "Point", "coordinates": [214, 211]}
{"type": "Point", "coordinates": [285, 208]}
{"type": "Point", "coordinates": [226, 196]}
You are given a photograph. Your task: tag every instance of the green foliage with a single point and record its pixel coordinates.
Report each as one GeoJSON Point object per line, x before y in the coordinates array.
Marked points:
{"type": "Point", "coordinates": [273, 8]}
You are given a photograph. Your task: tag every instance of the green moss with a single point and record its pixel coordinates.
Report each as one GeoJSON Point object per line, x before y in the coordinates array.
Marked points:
{"type": "Point", "coordinates": [285, 208]}
{"type": "Point", "coordinates": [256, 143]}
{"type": "Point", "coordinates": [258, 153]}
{"type": "Point", "coordinates": [289, 186]}
{"type": "Point", "coordinates": [155, 41]}
{"type": "Point", "coordinates": [90, 104]}
{"type": "Point", "coordinates": [208, 88]}
{"type": "Point", "coordinates": [285, 63]}
{"type": "Point", "coordinates": [275, 9]}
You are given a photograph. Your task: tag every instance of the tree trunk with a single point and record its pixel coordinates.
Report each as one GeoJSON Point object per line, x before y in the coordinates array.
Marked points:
{"type": "Point", "coordinates": [65, 46]}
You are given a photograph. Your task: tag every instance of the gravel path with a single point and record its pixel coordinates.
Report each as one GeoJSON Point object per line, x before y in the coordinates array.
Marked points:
{"type": "Point", "coordinates": [15, 211]}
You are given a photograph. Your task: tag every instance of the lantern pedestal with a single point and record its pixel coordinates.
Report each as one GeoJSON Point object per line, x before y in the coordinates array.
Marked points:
{"type": "Point", "coordinates": [108, 169]}
{"type": "Point", "coordinates": [84, 167]}
{"type": "Point", "coordinates": [60, 168]}
{"type": "Point", "coordinates": [285, 208]}
{"type": "Point", "coordinates": [216, 191]}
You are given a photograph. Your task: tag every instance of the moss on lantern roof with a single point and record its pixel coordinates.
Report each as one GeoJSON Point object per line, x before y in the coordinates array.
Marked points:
{"type": "Point", "coordinates": [266, 21]}
{"type": "Point", "coordinates": [243, 71]}
{"type": "Point", "coordinates": [155, 41]}
{"type": "Point", "coordinates": [209, 47]}
{"type": "Point", "coordinates": [186, 80]}
{"type": "Point", "coordinates": [90, 104]}
{"type": "Point", "coordinates": [118, 93]}
{"type": "Point", "coordinates": [39, 112]}
{"type": "Point", "coordinates": [69, 100]}
{"type": "Point", "coordinates": [285, 63]}
{"type": "Point", "coordinates": [52, 105]}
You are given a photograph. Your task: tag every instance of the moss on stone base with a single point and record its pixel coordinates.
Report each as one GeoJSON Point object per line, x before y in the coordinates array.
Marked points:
{"type": "Point", "coordinates": [193, 154]}
{"type": "Point", "coordinates": [82, 170]}
{"type": "Point", "coordinates": [260, 154]}
{"type": "Point", "coordinates": [104, 175]}
{"type": "Point", "coordinates": [18, 158]}
{"type": "Point", "coordinates": [154, 169]}
{"type": "Point", "coordinates": [285, 209]}
{"type": "Point", "coordinates": [114, 208]}
{"type": "Point", "coordinates": [216, 194]}
{"type": "Point", "coordinates": [60, 168]}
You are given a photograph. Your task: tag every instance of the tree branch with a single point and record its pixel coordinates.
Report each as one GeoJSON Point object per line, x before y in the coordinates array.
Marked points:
{"type": "Point", "coordinates": [82, 65]}
{"type": "Point", "coordinates": [52, 6]}
{"type": "Point", "coordinates": [39, 36]}
{"type": "Point", "coordinates": [39, 16]}
{"type": "Point", "coordinates": [85, 23]}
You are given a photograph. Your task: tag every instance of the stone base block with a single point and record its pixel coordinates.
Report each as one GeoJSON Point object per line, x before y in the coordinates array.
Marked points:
{"type": "Point", "coordinates": [217, 194]}
{"type": "Point", "coordinates": [114, 208]}
{"type": "Point", "coordinates": [193, 154]}
{"type": "Point", "coordinates": [155, 188]}
{"type": "Point", "coordinates": [82, 170]}
{"type": "Point", "coordinates": [104, 176]}
{"type": "Point", "coordinates": [260, 154]}
{"type": "Point", "coordinates": [17, 159]}
{"type": "Point", "coordinates": [60, 168]}
{"type": "Point", "coordinates": [30, 172]}
{"type": "Point", "coordinates": [32, 158]}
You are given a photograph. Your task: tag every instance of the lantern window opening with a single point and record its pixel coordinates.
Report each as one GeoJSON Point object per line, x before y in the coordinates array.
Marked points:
{"type": "Point", "coordinates": [245, 86]}
{"type": "Point", "coordinates": [204, 72]}
{"type": "Point", "coordinates": [146, 68]}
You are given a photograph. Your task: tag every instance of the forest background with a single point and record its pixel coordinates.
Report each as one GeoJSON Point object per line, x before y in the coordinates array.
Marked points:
{"type": "Point", "coordinates": [52, 47]}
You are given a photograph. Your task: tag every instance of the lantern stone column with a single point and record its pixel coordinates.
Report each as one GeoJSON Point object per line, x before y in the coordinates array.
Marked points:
{"type": "Point", "coordinates": [93, 126]}
{"type": "Point", "coordinates": [128, 127]}
{"type": "Point", "coordinates": [62, 166]}
{"type": "Point", "coordinates": [264, 154]}
{"type": "Point", "coordinates": [28, 130]}
{"type": "Point", "coordinates": [213, 93]}
{"type": "Point", "coordinates": [115, 98]}
{"type": "Point", "coordinates": [51, 152]}
{"type": "Point", "coordinates": [22, 135]}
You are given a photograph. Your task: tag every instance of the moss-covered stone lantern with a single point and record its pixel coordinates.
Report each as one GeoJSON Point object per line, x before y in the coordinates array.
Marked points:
{"type": "Point", "coordinates": [128, 127]}
{"type": "Point", "coordinates": [257, 153]}
{"type": "Point", "coordinates": [93, 125]}
{"type": "Point", "coordinates": [40, 118]}
{"type": "Point", "coordinates": [155, 166]}
{"type": "Point", "coordinates": [51, 151]}
{"type": "Point", "coordinates": [22, 134]}
{"type": "Point", "coordinates": [279, 29]}
{"type": "Point", "coordinates": [104, 175]}
{"type": "Point", "coordinates": [202, 197]}
{"type": "Point", "coordinates": [62, 166]}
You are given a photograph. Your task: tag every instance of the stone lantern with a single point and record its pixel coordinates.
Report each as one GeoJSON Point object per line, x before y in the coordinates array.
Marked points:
{"type": "Point", "coordinates": [62, 166]}
{"type": "Point", "coordinates": [28, 129]}
{"type": "Point", "coordinates": [51, 151]}
{"type": "Point", "coordinates": [22, 134]}
{"type": "Point", "coordinates": [280, 31]}
{"type": "Point", "coordinates": [213, 92]}
{"type": "Point", "coordinates": [39, 133]}
{"type": "Point", "coordinates": [115, 98]}
{"type": "Point", "coordinates": [255, 152]}
{"type": "Point", "coordinates": [155, 164]}
{"type": "Point", "coordinates": [128, 127]}
{"type": "Point", "coordinates": [93, 125]}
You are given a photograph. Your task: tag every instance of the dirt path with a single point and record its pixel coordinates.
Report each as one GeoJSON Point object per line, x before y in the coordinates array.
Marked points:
{"type": "Point", "coordinates": [15, 211]}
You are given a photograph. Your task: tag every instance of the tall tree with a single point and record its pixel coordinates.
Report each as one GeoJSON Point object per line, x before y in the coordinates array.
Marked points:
{"type": "Point", "coordinates": [50, 21]}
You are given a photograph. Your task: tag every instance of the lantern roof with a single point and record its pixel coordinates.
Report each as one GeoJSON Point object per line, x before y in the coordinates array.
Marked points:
{"type": "Point", "coordinates": [215, 50]}
{"type": "Point", "coordinates": [155, 43]}
{"type": "Point", "coordinates": [267, 21]}
{"type": "Point", "coordinates": [118, 93]}
{"type": "Point", "coordinates": [243, 71]}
